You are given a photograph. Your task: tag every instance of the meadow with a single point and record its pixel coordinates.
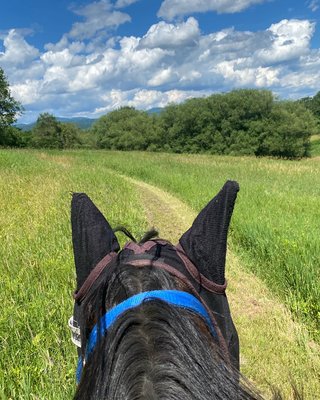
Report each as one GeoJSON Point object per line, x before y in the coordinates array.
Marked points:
{"type": "Point", "coordinates": [275, 226]}
{"type": "Point", "coordinates": [274, 234]}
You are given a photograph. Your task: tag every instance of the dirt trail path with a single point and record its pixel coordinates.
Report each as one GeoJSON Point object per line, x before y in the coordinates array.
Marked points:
{"type": "Point", "coordinates": [273, 346]}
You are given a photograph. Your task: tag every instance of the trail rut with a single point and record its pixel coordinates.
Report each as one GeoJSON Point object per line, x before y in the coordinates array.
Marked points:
{"type": "Point", "coordinates": [274, 348]}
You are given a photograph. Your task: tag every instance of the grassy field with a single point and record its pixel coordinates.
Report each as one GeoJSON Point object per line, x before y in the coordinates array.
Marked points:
{"type": "Point", "coordinates": [37, 358]}
{"type": "Point", "coordinates": [275, 227]}
{"type": "Point", "coordinates": [275, 233]}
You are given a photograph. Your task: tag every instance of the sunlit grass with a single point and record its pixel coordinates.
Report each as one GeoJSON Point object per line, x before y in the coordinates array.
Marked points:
{"type": "Point", "coordinates": [37, 358]}
{"type": "Point", "coordinates": [274, 349]}
{"type": "Point", "coordinates": [275, 228]}
{"type": "Point", "coordinates": [275, 232]}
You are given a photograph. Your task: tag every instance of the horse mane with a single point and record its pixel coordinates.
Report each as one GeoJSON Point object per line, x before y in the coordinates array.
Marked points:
{"type": "Point", "coordinates": [155, 350]}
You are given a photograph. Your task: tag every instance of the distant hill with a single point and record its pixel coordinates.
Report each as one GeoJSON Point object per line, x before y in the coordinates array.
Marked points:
{"type": "Point", "coordinates": [25, 127]}
{"type": "Point", "coordinates": [155, 110]}
{"type": "Point", "coordinates": [81, 122]}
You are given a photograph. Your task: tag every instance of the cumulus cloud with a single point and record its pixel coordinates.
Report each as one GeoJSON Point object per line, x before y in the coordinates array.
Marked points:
{"type": "Point", "coordinates": [304, 79]}
{"type": "Point", "coordinates": [63, 58]}
{"type": "Point", "coordinates": [98, 16]}
{"type": "Point", "coordinates": [172, 8]}
{"type": "Point", "coordinates": [162, 77]}
{"type": "Point", "coordinates": [170, 63]}
{"type": "Point", "coordinates": [65, 43]}
{"type": "Point", "coordinates": [17, 50]}
{"type": "Point", "coordinates": [289, 40]}
{"type": "Point", "coordinates": [241, 75]}
{"type": "Point", "coordinates": [145, 99]}
{"type": "Point", "coordinates": [168, 36]}
{"type": "Point", "coordinates": [28, 92]}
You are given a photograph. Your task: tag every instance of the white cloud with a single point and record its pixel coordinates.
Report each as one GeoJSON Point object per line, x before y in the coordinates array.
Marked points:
{"type": "Point", "coordinates": [313, 5]}
{"type": "Point", "coordinates": [124, 3]}
{"type": "Point", "coordinates": [132, 60]}
{"type": "Point", "coordinates": [17, 51]}
{"type": "Point", "coordinates": [301, 79]}
{"type": "Point", "coordinates": [306, 77]}
{"type": "Point", "coordinates": [63, 58]}
{"type": "Point", "coordinates": [98, 16]}
{"type": "Point", "coordinates": [64, 43]}
{"type": "Point", "coordinates": [172, 8]}
{"type": "Point", "coordinates": [27, 92]}
{"type": "Point", "coordinates": [145, 99]}
{"type": "Point", "coordinates": [242, 75]}
{"type": "Point", "coordinates": [290, 39]}
{"type": "Point", "coordinates": [74, 77]}
{"type": "Point", "coordinates": [162, 77]}
{"type": "Point", "coordinates": [169, 36]}
{"type": "Point", "coordinates": [190, 76]}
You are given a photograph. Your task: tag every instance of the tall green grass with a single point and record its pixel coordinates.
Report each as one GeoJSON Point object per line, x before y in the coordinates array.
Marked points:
{"type": "Point", "coordinates": [276, 224]}
{"type": "Point", "coordinates": [37, 275]}
{"type": "Point", "coordinates": [275, 230]}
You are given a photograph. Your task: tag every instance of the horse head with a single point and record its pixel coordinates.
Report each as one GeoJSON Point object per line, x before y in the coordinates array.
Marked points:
{"type": "Point", "coordinates": [152, 320]}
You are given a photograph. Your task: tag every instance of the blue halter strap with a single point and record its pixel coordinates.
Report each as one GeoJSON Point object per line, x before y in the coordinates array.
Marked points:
{"type": "Point", "coordinates": [174, 297]}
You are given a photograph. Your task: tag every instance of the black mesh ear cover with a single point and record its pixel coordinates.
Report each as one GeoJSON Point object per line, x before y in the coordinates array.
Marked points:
{"type": "Point", "coordinates": [92, 236]}
{"type": "Point", "coordinates": [205, 243]}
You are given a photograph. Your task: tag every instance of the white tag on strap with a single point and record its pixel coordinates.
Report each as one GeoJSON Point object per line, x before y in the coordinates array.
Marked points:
{"type": "Point", "coordinates": [75, 332]}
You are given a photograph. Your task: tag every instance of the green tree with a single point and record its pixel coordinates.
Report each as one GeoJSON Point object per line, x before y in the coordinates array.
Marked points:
{"type": "Point", "coordinates": [9, 110]}
{"type": "Point", "coordinates": [241, 122]}
{"type": "Point", "coordinates": [187, 127]}
{"type": "Point", "coordinates": [287, 131]}
{"type": "Point", "coordinates": [70, 135]}
{"type": "Point", "coordinates": [218, 124]}
{"type": "Point", "coordinates": [88, 139]}
{"type": "Point", "coordinates": [127, 129]}
{"type": "Point", "coordinates": [312, 104]}
{"type": "Point", "coordinates": [47, 132]}
{"type": "Point", "coordinates": [15, 137]}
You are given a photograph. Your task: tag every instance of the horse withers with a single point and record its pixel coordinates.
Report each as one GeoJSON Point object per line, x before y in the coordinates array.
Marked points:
{"type": "Point", "coordinates": [152, 320]}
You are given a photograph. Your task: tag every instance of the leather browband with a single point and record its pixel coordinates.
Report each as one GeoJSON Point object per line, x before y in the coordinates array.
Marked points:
{"type": "Point", "coordinates": [140, 249]}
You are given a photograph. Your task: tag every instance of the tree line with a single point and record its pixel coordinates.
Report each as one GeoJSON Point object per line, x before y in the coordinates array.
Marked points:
{"type": "Point", "coordinates": [241, 122]}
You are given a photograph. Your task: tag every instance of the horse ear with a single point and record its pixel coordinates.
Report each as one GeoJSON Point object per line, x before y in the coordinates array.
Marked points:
{"type": "Point", "coordinates": [205, 243]}
{"type": "Point", "coordinates": [92, 236]}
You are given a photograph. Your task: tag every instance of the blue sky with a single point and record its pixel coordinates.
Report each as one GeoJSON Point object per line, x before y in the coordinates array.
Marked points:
{"type": "Point", "coordinates": [86, 58]}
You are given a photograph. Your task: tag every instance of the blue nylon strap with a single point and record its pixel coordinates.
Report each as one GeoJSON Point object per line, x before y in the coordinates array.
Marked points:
{"type": "Point", "coordinates": [79, 369]}
{"type": "Point", "coordinates": [174, 297]}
